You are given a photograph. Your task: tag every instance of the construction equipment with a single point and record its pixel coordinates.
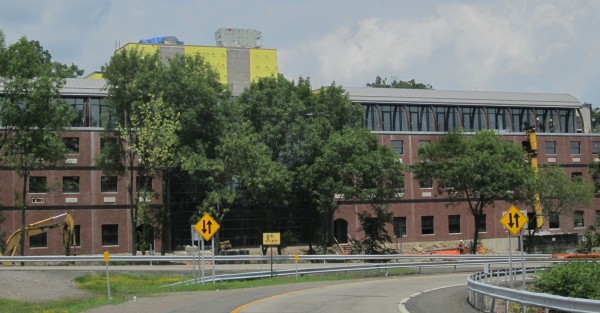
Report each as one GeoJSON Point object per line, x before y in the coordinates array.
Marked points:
{"type": "Point", "coordinates": [531, 147]}
{"type": "Point", "coordinates": [64, 221]}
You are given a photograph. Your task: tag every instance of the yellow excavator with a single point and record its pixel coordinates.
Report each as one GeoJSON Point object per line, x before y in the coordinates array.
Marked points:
{"type": "Point", "coordinates": [64, 221]}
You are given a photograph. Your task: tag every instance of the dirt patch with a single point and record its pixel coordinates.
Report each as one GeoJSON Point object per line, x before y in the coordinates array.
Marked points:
{"type": "Point", "coordinates": [38, 286]}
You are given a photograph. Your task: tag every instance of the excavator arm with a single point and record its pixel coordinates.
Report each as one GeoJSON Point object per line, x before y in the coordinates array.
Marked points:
{"type": "Point", "coordinates": [64, 221]}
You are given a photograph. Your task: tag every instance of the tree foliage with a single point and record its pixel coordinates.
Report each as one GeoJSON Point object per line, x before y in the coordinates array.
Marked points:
{"type": "Point", "coordinates": [31, 112]}
{"type": "Point", "coordinates": [164, 113]}
{"type": "Point", "coordinates": [560, 194]}
{"type": "Point", "coordinates": [479, 169]}
{"type": "Point", "coordinates": [576, 279]}
{"type": "Point", "coordinates": [395, 83]}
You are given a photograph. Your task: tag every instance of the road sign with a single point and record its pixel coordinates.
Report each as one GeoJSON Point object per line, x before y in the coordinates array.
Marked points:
{"type": "Point", "coordinates": [271, 239]}
{"type": "Point", "coordinates": [207, 226]}
{"type": "Point", "coordinates": [106, 257]}
{"type": "Point", "coordinates": [514, 220]}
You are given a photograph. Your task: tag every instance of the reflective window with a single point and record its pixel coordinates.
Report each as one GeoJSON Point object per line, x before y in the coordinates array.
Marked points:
{"type": "Point", "coordinates": [427, 225]}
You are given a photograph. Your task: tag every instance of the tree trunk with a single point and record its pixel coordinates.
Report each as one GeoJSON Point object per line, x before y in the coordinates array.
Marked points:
{"type": "Point", "coordinates": [476, 234]}
{"type": "Point", "coordinates": [166, 216]}
{"type": "Point", "coordinates": [23, 210]}
{"type": "Point", "coordinates": [132, 211]}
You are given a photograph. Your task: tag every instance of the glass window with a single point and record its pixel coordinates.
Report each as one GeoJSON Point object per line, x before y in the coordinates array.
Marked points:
{"type": "Point", "coordinates": [70, 184]}
{"type": "Point", "coordinates": [72, 144]}
{"type": "Point", "coordinates": [107, 142]}
{"type": "Point", "coordinates": [79, 106]}
{"type": "Point", "coordinates": [483, 223]}
{"type": "Point", "coordinates": [38, 241]}
{"type": "Point", "coordinates": [576, 175]}
{"type": "Point", "coordinates": [37, 184]}
{"type": "Point", "coordinates": [387, 117]}
{"type": "Point", "coordinates": [100, 113]}
{"type": "Point", "coordinates": [143, 183]}
{"type": "Point", "coordinates": [598, 217]}
{"type": "Point", "coordinates": [400, 226]}
{"type": "Point", "coordinates": [454, 224]}
{"type": "Point", "coordinates": [110, 235]}
{"type": "Point", "coordinates": [426, 183]}
{"type": "Point", "coordinates": [554, 221]}
{"type": "Point", "coordinates": [427, 225]}
{"type": "Point", "coordinates": [550, 147]}
{"type": "Point", "coordinates": [440, 118]}
{"type": "Point", "coordinates": [397, 146]}
{"type": "Point", "coordinates": [595, 147]}
{"type": "Point", "coordinates": [108, 184]}
{"type": "Point", "coordinates": [77, 231]}
{"type": "Point", "coordinates": [575, 147]}
{"type": "Point", "coordinates": [414, 120]}
{"type": "Point", "coordinates": [578, 219]}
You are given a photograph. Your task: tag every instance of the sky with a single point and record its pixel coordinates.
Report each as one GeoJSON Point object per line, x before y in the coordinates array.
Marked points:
{"type": "Point", "coordinates": [548, 46]}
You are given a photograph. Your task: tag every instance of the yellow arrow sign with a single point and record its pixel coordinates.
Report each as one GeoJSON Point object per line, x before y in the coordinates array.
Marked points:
{"type": "Point", "coordinates": [514, 220]}
{"type": "Point", "coordinates": [207, 226]}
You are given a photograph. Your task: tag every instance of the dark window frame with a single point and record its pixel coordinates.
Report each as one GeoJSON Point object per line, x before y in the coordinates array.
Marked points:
{"type": "Point", "coordinates": [70, 184]}
{"type": "Point", "coordinates": [109, 184]}
{"type": "Point", "coordinates": [38, 184]}
{"type": "Point", "coordinates": [454, 224]}
{"type": "Point", "coordinates": [428, 225]}
{"type": "Point", "coordinates": [38, 241]}
{"type": "Point", "coordinates": [110, 234]}
{"type": "Point", "coordinates": [578, 219]}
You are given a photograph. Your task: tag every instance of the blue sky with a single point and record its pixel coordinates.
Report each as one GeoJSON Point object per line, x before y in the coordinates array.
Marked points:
{"type": "Point", "coordinates": [529, 46]}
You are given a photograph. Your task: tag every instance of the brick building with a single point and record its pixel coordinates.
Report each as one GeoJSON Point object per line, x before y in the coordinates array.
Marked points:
{"type": "Point", "coordinates": [405, 119]}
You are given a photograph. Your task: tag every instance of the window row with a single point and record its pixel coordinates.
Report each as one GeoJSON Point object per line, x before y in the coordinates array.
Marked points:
{"type": "Point", "coordinates": [454, 223]}
{"type": "Point", "coordinates": [549, 146]}
{"type": "Point", "coordinates": [70, 184]}
{"type": "Point", "coordinates": [428, 225]}
{"type": "Point", "coordinates": [385, 117]}
{"type": "Point", "coordinates": [110, 237]}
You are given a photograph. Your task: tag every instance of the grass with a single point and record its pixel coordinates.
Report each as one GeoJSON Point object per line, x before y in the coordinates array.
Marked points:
{"type": "Point", "coordinates": [124, 286]}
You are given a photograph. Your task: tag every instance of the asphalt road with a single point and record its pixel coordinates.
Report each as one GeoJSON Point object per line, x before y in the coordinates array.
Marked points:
{"type": "Point", "coordinates": [365, 295]}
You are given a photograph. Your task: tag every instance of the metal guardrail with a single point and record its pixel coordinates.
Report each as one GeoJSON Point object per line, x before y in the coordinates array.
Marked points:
{"type": "Point", "coordinates": [480, 293]}
{"type": "Point", "coordinates": [259, 258]}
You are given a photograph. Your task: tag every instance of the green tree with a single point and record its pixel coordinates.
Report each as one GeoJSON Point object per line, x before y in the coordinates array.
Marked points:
{"type": "Point", "coordinates": [560, 194]}
{"type": "Point", "coordinates": [480, 169]}
{"type": "Point", "coordinates": [318, 137]}
{"type": "Point", "coordinates": [132, 79]}
{"type": "Point", "coordinates": [156, 125]}
{"type": "Point", "coordinates": [595, 119]}
{"type": "Point", "coordinates": [394, 83]}
{"type": "Point", "coordinates": [192, 87]}
{"type": "Point", "coordinates": [373, 225]}
{"type": "Point", "coordinates": [352, 166]}
{"type": "Point", "coordinates": [32, 113]}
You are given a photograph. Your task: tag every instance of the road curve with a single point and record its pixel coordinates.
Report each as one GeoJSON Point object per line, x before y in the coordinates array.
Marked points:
{"type": "Point", "coordinates": [363, 295]}
{"type": "Point", "coordinates": [373, 295]}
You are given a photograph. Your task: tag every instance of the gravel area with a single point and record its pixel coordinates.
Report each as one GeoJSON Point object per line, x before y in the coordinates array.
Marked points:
{"type": "Point", "coordinates": [39, 285]}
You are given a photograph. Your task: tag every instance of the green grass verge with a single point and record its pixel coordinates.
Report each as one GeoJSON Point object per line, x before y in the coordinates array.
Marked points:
{"type": "Point", "coordinates": [124, 286]}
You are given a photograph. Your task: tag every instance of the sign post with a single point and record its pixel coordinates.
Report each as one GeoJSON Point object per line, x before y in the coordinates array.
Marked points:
{"type": "Point", "coordinates": [271, 239]}
{"type": "Point", "coordinates": [107, 260]}
{"type": "Point", "coordinates": [207, 227]}
{"type": "Point", "coordinates": [514, 221]}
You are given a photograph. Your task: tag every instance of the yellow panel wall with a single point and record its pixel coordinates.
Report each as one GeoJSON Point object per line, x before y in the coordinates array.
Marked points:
{"type": "Point", "coordinates": [215, 56]}
{"type": "Point", "coordinates": [144, 48]}
{"type": "Point", "coordinates": [263, 63]}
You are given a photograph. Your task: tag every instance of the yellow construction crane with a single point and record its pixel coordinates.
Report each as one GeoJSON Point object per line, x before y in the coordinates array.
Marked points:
{"type": "Point", "coordinates": [64, 220]}
{"type": "Point", "coordinates": [531, 147]}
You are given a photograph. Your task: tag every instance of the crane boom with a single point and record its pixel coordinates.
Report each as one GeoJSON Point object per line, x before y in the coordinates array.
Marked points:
{"type": "Point", "coordinates": [64, 220]}
{"type": "Point", "coordinates": [532, 150]}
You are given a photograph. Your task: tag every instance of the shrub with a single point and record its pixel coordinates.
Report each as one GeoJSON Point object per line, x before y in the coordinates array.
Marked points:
{"type": "Point", "coordinates": [577, 279]}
